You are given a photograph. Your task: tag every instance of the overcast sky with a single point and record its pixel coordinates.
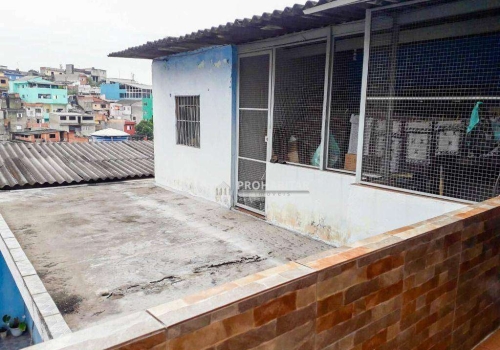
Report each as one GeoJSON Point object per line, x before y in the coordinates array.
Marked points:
{"type": "Point", "coordinates": [36, 33]}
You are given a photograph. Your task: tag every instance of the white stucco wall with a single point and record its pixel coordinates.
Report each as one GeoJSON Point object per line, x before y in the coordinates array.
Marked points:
{"type": "Point", "coordinates": [209, 74]}
{"type": "Point", "coordinates": [338, 210]}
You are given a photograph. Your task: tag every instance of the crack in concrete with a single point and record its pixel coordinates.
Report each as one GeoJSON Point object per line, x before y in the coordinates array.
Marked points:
{"type": "Point", "coordinates": [242, 260]}
{"type": "Point", "coordinates": [147, 287]}
{"type": "Point", "coordinates": [171, 278]}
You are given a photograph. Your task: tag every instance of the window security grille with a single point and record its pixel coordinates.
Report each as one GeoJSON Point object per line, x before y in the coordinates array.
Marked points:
{"type": "Point", "coordinates": [347, 75]}
{"type": "Point", "coordinates": [298, 104]}
{"type": "Point", "coordinates": [187, 112]}
{"type": "Point", "coordinates": [433, 103]}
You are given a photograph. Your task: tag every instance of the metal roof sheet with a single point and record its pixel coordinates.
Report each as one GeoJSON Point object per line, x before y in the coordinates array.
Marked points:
{"type": "Point", "coordinates": [32, 164]}
{"type": "Point", "coordinates": [35, 132]}
{"type": "Point", "coordinates": [268, 25]}
{"type": "Point", "coordinates": [130, 82]}
{"type": "Point", "coordinates": [34, 79]}
{"type": "Point", "coordinates": [128, 102]}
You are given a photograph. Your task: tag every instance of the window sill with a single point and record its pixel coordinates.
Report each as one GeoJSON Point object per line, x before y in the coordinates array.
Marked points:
{"type": "Point", "coordinates": [329, 170]}
{"type": "Point", "coordinates": [186, 146]}
{"type": "Point", "coordinates": [412, 193]}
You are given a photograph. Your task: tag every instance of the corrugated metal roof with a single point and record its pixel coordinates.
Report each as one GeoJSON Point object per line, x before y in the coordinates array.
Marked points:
{"type": "Point", "coordinates": [23, 164]}
{"type": "Point", "coordinates": [35, 132]}
{"type": "Point", "coordinates": [128, 102]}
{"type": "Point", "coordinates": [268, 25]}
{"type": "Point", "coordinates": [130, 82]}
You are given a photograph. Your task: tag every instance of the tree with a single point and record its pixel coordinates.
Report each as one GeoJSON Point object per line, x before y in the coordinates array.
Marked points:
{"type": "Point", "coordinates": [145, 128]}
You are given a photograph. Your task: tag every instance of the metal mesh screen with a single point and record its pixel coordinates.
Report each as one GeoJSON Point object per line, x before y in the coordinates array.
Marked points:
{"type": "Point", "coordinates": [252, 130]}
{"type": "Point", "coordinates": [252, 178]}
{"type": "Point", "coordinates": [433, 103]}
{"type": "Point", "coordinates": [254, 82]}
{"type": "Point", "coordinates": [347, 75]}
{"type": "Point", "coordinates": [298, 104]}
{"type": "Point", "coordinates": [187, 112]}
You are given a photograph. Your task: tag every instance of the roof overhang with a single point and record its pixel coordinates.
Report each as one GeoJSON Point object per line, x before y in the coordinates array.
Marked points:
{"type": "Point", "coordinates": [332, 5]}
{"type": "Point", "coordinates": [294, 19]}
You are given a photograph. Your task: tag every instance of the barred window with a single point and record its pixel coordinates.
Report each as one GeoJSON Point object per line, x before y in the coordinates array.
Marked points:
{"type": "Point", "coordinates": [432, 121]}
{"type": "Point", "coordinates": [298, 104]}
{"type": "Point", "coordinates": [187, 112]}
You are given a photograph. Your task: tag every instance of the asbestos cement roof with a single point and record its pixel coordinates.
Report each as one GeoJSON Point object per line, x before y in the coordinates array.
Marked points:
{"type": "Point", "coordinates": [23, 164]}
{"type": "Point", "coordinates": [268, 25]}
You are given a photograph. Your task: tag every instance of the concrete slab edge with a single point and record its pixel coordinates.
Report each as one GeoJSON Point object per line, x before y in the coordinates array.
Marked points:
{"type": "Point", "coordinates": [44, 312]}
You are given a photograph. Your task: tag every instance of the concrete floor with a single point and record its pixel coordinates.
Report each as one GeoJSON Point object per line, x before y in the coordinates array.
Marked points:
{"type": "Point", "coordinates": [113, 249]}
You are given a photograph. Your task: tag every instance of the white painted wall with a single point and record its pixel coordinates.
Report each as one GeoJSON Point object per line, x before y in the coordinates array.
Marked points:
{"type": "Point", "coordinates": [338, 210]}
{"type": "Point", "coordinates": [198, 171]}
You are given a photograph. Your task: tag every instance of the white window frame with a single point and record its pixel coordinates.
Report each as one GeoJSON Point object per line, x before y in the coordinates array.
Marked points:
{"type": "Point", "coordinates": [328, 35]}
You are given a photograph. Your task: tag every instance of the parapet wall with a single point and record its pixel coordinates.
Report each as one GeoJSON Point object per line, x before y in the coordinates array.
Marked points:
{"type": "Point", "coordinates": [39, 306]}
{"type": "Point", "coordinates": [433, 285]}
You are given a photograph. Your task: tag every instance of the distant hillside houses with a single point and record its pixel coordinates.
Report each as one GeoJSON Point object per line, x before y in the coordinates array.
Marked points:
{"type": "Point", "coordinates": [72, 74]}
{"type": "Point", "coordinates": [72, 102]}
{"type": "Point", "coordinates": [51, 96]}
{"type": "Point", "coordinates": [133, 101]}
{"type": "Point", "coordinates": [7, 75]}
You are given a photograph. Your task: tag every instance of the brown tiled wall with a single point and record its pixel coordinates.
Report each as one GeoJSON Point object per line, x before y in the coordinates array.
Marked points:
{"type": "Point", "coordinates": [435, 285]}
{"type": "Point", "coordinates": [437, 290]}
{"type": "Point", "coordinates": [283, 317]}
{"type": "Point", "coordinates": [432, 286]}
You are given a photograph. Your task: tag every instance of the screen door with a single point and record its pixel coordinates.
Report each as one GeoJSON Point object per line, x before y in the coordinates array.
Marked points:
{"type": "Point", "coordinates": [254, 77]}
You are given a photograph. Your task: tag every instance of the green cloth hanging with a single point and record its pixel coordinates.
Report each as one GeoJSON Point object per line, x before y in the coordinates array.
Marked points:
{"type": "Point", "coordinates": [333, 153]}
{"type": "Point", "coordinates": [474, 118]}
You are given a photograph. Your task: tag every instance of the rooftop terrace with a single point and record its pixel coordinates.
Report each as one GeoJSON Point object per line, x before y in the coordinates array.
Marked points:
{"type": "Point", "coordinates": [108, 250]}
